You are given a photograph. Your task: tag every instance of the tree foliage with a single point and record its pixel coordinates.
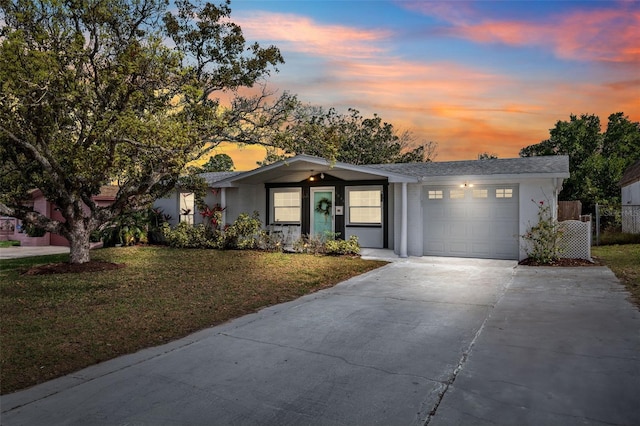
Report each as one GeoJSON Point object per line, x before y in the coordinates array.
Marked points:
{"type": "Point", "coordinates": [597, 159]}
{"type": "Point", "coordinates": [486, 156]}
{"type": "Point", "coordinates": [217, 163]}
{"type": "Point", "coordinates": [96, 91]}
{"type": "Point", "coordinates": [349, 138]}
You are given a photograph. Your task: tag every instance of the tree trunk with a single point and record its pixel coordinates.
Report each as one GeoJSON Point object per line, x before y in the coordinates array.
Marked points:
{"type": "Point", "coordinates": [79, 240]}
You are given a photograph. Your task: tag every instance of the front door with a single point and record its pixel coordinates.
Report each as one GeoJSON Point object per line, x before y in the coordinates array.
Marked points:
{"type": "Point", "coordinates": [322, 212]}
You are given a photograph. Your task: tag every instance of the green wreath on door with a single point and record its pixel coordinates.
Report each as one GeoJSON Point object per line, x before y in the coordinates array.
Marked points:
{"type": "Point", "coordinates": [324, 206]}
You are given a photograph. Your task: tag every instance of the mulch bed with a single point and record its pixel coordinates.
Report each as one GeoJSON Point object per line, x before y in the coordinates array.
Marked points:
{"type": "Point", "coordinates": [561, 262]}
{"type": "Point", "coordinates": [73, 268]}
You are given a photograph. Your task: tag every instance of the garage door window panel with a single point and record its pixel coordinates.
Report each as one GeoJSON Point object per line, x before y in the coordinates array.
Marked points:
{"type": "Point", "coordinates": [504, 192]}
{"type": "Point", "coordinates": [435, 194]}
{"type": "Point", "coordinates": [456, 194]}
{"type": "Point", "coordinates": [480, 193]}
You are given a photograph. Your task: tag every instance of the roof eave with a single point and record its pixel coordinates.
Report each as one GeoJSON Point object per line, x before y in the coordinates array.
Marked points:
{"type": "Point", "coordinates": [232, 181]}
{"type": "Point", "coordinates": [496, 177]}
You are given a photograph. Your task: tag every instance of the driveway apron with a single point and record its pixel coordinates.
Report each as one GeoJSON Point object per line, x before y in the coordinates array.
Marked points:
{"type": "Point", "coordinates": [424, 341]}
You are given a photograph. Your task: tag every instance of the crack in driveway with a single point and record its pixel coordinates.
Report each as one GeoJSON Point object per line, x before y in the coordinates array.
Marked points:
{"type": "Point", "coordinates": [467, 352]}
{"type": "Point", "coordinates": [343, 359]}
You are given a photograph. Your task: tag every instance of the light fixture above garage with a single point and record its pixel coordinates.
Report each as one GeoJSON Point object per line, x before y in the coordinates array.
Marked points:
{"type": "Point", "coordinates": [466, 185]}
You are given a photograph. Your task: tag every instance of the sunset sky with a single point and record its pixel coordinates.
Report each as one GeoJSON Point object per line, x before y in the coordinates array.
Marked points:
{"type": "Point", "coordinates": [480, 76]}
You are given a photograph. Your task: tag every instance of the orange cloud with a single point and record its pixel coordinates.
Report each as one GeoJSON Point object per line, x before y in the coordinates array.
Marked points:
{"type": "Point", "coordinates": [467, 110]}
{"type": "Point", "coordinates": [296, 33]}
{"type": "Point", "coordinates": [603, 35]}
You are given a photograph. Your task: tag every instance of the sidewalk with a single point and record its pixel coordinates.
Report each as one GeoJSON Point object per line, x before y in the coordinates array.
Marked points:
{"type": "Point", "coordinates": [23, 251]}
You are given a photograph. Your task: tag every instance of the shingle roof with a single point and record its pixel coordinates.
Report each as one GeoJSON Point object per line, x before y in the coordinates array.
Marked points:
{"type": "Point", "coordinates": [554, 164]}
{"type": "Point", "coordinates": [213, 177]}
{"type": "Point", "coordinates": [631, 175]}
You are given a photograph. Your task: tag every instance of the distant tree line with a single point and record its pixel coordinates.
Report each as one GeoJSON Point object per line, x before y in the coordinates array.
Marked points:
{"type": "Point", "coordinates": [597, 159]}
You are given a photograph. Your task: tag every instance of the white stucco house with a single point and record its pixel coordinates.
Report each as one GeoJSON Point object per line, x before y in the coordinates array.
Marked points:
{"type": "Point", "coordinates": [630, 187]}
{"type": "Point", "coordinates": [461, 208]}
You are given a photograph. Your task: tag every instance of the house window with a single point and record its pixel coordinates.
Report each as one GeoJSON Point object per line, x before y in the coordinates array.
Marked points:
{"type": "Point", "coordinates": [435, 194]}
{"type": "Point", "coordinates": [187, 207]}
{"type": "Point", "coordinates": [504, 193]}
{"type": "Point", "coordinates": [364, 205]}
{"type": "Point", "coordinates": [480, 193]}
{"type": "Point", "coordinates": [286, 204]}
{"type": "Point", "coordinates": [456, 193]}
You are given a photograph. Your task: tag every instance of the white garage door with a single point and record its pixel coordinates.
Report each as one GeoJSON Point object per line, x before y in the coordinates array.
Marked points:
{"type": "Point", "coordinates": [479, 221]}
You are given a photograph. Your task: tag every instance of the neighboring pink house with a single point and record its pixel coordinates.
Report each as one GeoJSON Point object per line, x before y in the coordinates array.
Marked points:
{"type": "Point", "coordinates": [11, 228]}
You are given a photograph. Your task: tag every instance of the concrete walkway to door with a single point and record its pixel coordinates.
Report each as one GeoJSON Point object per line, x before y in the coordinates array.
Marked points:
{"type": "Point", "coordinates": [420, 341]}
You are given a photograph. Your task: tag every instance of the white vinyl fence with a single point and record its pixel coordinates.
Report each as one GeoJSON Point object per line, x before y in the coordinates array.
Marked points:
{"type": "Point", "coordinates": [631, 219]}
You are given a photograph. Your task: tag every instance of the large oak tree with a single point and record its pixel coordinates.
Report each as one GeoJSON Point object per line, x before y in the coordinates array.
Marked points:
{"type": "Point", "coordinates": [350, 138]}
{"type": "Point", "coordinates": [97, 91]}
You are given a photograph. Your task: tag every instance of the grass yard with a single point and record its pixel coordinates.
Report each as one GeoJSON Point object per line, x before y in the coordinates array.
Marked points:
{"type": "Point", "coordinates": [56, 324]}
{"type": "Point", "coordinates": [624, 261]}
{"type": "Point", "coordinates": [9, 243]}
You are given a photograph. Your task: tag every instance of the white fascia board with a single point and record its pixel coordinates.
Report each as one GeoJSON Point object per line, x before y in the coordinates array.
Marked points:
{"type": "Point", "coordinates": [491, 178]}
{"type": "Point", "coordinates": [392, 177]}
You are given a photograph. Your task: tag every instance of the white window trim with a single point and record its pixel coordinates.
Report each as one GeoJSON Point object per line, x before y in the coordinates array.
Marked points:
{"type": "Point", "coordinates": [272, 212]}
{"type": "Point", "coordinates": [348, 190]}
{"type": "Point", "coordinates": [183, 199]}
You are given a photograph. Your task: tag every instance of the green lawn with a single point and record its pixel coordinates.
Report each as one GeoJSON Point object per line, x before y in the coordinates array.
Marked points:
{"type": "Point", "coordinates": [56, 324]}
{"type": "Point", "coordinates": [624, 261]}
{"type": "Point", "coordinates": [9, 243]}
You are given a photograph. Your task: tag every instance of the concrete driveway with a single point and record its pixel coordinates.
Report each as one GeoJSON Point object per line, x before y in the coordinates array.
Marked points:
{"type": "Point", "coordinates": [421, 341]}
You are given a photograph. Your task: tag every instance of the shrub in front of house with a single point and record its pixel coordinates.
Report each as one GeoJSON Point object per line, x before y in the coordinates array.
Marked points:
{"type": "Point", "coordinates": [343, 247]}
{"type": "Point", "coordinates": [245, 233]}
{"type": "Point", "coordinates": [185, 235]}
{"type": "Point", "coordinates": [327, 244]}
{"type": "Point", "coordinates": [542, 240]}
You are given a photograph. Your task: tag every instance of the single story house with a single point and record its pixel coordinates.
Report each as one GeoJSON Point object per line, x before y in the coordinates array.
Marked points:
{"type": "Point", "coordinates": [630, 187]}
{"type": "Point", "coordinates": [12, 229]}
{"type": "Point", "coordinates": [460, 208]}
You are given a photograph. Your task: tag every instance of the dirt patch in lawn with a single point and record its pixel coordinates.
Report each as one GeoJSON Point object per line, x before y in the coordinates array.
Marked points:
{"type": "Point", "coordinates": [73, 268]}
{"type": "Point", "coordinates": [561, 262]}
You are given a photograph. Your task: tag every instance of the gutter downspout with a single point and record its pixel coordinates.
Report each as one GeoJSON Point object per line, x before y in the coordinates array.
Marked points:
{"type": "Point", "coordinates": [557, 187]}
{"type": "Point", "coordinates": [403, 223]}
{"type": "Point", "coordinates": [223, 205]}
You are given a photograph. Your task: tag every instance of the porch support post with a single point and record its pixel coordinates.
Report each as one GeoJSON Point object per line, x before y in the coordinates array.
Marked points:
{"type": "Point", "coordinates": [403, 222]}
{"type": "Point", "coordinates": [223, 204]}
